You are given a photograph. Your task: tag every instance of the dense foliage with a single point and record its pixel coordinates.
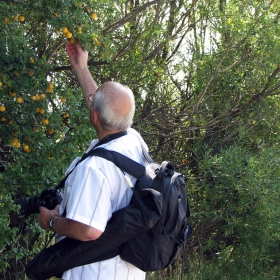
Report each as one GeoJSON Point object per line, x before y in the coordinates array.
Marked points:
{"type": "Point", "coordinates": [205, 75]}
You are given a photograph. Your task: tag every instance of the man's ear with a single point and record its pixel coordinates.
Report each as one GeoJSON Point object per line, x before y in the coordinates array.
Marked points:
{"type": "Point", "coordinates": [94, 117]}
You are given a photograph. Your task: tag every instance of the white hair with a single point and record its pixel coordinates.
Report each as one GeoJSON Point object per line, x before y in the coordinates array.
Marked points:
{"type": "Point", "coordinates": [105, 101]}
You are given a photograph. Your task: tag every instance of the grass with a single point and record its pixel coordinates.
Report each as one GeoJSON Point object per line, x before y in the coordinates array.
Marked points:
{"type": "Point", "coordinates": [216, 270]}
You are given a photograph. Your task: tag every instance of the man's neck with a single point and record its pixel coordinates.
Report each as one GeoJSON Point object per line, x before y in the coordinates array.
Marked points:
{"type": "Point", "coordinates": [106, 134]}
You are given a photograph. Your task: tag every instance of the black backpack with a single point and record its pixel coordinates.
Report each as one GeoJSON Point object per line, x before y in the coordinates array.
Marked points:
{"type": "Point", "coordinates": [149, 233]}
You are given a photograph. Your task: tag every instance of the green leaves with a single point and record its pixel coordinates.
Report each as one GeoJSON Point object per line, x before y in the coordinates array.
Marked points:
{"type": "Point", "coordinates": [238, 191]}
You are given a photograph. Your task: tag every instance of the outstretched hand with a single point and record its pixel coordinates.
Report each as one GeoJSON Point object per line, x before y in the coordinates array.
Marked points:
{"type": "Point", "coordinates": [78, 56]}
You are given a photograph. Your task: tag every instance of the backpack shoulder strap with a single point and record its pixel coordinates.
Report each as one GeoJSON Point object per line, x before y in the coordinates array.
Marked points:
{"type": "Point", "coordinates": [146, 154]}
{"type": "Point", "coordinates": [126, 164]}
{"type": "Point", "coordinates": [86, 155]}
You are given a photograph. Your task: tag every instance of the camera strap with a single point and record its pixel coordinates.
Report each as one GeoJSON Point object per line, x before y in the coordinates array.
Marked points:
{"type": "Point", "coordinates": [104, 140]}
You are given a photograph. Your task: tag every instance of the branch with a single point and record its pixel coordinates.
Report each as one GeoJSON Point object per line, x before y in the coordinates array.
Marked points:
{"type": "Point", "coordinates": [69, 67]}
{"type": "Point", "coordinates": [271, 78]}
{"type": "Point", "coordinates": [229, 67]}
{"type": "Point", "coordinates": [35, 26]}
{"type": "Point", "coordinates": [157, 15]}
{"type": "Point", "coordinates": [56, 48]}
{"type": "Point", "coordinates": [129, 17]}
{"type": "Point", "coordinates": [128, 48]}
{"type": "Point", "coordinates": [211, 79]}
{"type": "Point", "coordinates": [265, 92]}
{"type": "Point", "coordinates": [179, 29]}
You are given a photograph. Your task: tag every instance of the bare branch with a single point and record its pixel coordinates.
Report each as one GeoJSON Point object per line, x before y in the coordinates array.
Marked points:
{"type": "Point", "coordinates": [134, 12]}
{"type": "Point", "coordinates": [56, 48]}
{"type": "Point", "coordinates": [128, 48]}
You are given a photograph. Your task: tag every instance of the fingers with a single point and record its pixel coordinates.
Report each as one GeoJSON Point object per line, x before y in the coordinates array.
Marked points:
{"type": "Point", "coordinates": [42, 209]}
{"type": "Point", "coordinates": [45, 212]}
{"type": "Point", "coordinates": [71, 49]}
{"type": "Point", "coordinates": [55, 210]}
{"type": "Point", "coordinates": [78, 56]}
{"type": "Point", "coordinates": [43, 217]}
{"type": "Point", "coordinates": [46, 215]}
{"type": "Point", "coordinates": [75, 48]}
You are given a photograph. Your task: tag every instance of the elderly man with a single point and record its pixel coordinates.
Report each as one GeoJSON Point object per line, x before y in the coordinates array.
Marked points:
{"type": "Point", "coordinates": [96, 188]}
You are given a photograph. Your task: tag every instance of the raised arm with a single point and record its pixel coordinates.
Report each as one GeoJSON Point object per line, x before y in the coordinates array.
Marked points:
{"type": "Point", "coordinates": [78, 59]}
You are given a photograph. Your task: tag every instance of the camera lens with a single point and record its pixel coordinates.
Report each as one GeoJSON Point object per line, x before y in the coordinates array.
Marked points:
{"type": "Point", "coordinates": [29, 205]}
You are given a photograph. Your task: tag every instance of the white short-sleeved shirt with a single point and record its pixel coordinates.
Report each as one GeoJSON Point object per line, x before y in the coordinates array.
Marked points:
{"type": "Point", "coordinates": [93, 191]}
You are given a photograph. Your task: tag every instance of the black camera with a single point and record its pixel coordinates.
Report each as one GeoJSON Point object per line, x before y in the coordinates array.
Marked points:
{"type": "Point", "coordinates": [48, 198]}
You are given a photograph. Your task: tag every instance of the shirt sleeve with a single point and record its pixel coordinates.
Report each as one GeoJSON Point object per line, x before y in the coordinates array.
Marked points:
{"type": "Point", "coordinates": [89, 197]}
